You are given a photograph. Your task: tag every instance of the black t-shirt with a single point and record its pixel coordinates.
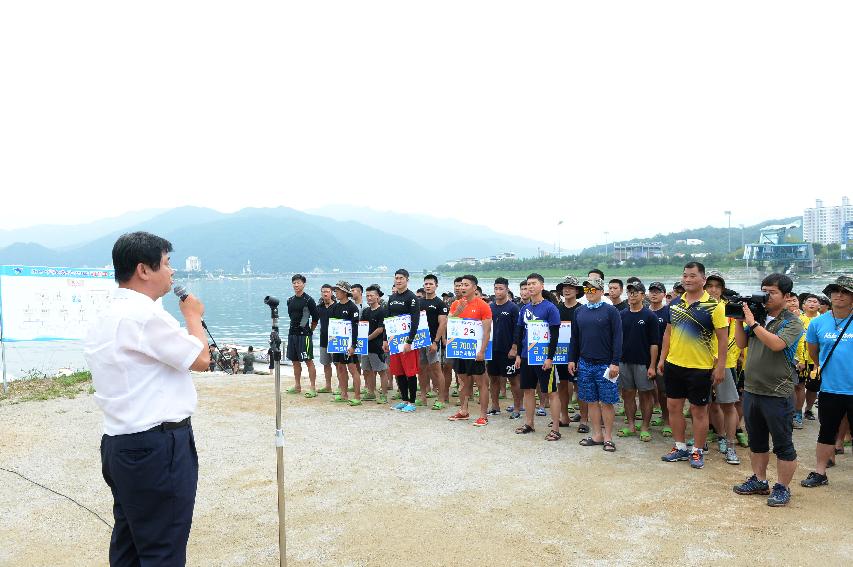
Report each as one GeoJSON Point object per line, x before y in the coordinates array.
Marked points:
{"type": "Point", "coordinates": [639, 333]}
{"type": "Point", "coordinates": [434, 308]}
{"type": "Point", "coordinates": [347, 311]}
{"type": "Point", "coordinates": [323, 310]}
{"type": "Point", "coordinates": [566, 313]}
{"type": "Point", "coordinates": [621, 306]}
{"type": "Point", "coordinates": [405, 303]}
{"type": "Point", "coordinates": [302, 310]}
{"type": "Point", "coordinates": [375, 318]}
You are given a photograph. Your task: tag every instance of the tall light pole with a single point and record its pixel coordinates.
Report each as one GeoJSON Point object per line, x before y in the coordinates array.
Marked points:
{"type": "Point", "coordinates": [729, 214]}
{"type": "Point", "coordinates": [606, 242]}
{"type": "Point", "coordinates": [559, 248]}
{"type": "Point", "coordinates": [741, 236]}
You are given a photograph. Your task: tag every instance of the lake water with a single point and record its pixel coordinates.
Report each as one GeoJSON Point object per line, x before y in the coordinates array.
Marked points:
{"type": "Point", "coordinates": [236, 314]}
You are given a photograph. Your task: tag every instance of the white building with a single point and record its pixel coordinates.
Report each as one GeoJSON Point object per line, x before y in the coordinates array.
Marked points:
{"type": "Point", "coordinates": [824, 224]}
{"type": "Point", "coordinates": [193, 264]}
{"type": "Point", "coordinates": [691, 242]}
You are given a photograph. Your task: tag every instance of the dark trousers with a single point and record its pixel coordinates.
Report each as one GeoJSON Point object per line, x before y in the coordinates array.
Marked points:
{"type": "Point", "coordinates": [153, 478]}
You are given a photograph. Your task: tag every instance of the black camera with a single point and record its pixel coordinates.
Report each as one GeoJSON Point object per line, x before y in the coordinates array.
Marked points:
{"type": "Point", "coordinates": [271, 301]}
{"type": "Point", "coordinates": [755, 302]}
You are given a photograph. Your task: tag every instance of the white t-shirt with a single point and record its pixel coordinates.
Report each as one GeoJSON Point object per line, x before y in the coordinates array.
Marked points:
{"type": "Point", "coordinates": [140, 357]}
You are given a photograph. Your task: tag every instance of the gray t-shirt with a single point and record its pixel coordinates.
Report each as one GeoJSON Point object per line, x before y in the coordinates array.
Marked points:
{"type": "Point", "coordinates": [769, 373]}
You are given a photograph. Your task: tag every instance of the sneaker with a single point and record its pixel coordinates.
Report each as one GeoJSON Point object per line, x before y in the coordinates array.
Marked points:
{"type": "Point", "coordinates": [438, 405]}
{"type": "Point", "coordinates": [409, 408]}
{"type": "Point", "coordinates": [731, 456]}
{"type": "Point", "coordinates": [676, 455]}
{"type": "Point", "coordinates": [459, 416]}
{"type": "Point", "coordinates": [400, 406]}
{"type": "Point", "coordinates": [510, 409]}
{"type": "Point", "coordinates": [691, 443]}
{"type": "Point", "coordinates": [723, 444]}
{"type": "Point", "coordinates": [809, 415]}
{"type": "Point", "coordinates": [814, 480]}
{"type": "Point", "coordinates": [798, 424]}
{"type": "Point", "coordinates": [481, 421]}
{"type": "Point", "coordinates": [515, 415]}
{"type": "Point", "coordinates": [697, 459]}
{"type": "Point", "coordinates": [780, 496]}
{"type": "Point", "coordinates": [540, 411]}
{"type": "Point", "coordinates": [752, 486]}
{"type": "Point", "coordinates": [494, 412]}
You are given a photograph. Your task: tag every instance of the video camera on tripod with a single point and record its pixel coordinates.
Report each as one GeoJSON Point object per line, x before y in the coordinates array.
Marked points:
{"type": "Point", "coordinates": [755, 302]}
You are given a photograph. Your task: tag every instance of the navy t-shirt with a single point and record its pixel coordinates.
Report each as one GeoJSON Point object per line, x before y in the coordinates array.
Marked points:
{"type": "Point", "coordinates": [596, 335]}
{"type": "Point", "coordinates": [639, 333]}
{"type": "Point", "coordinates": [662, 315]}
{"type": "Point", "coordinates": [542, 311]}
{"type": "Point", "coordinates": [504, 318]}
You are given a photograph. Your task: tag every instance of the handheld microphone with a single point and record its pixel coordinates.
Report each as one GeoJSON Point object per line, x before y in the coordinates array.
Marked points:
{"type": "Point", "coordinates": [181, 292]}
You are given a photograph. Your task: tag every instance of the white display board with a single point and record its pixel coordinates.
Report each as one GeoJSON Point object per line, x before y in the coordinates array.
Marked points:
{"type": "Point", "coordinates": [50, 304]}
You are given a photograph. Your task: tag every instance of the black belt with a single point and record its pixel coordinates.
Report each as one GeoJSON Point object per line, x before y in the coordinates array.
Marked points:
{"type": "Point", "coordinates": [169, 425]}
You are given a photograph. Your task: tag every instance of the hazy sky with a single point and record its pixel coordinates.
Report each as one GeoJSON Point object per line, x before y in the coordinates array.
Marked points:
{"type": "Point", "coordinates": [625, 117]}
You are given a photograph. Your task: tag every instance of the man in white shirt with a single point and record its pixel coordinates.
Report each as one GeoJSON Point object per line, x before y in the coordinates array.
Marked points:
{"type": "Point", "coordinates": [140, 359]}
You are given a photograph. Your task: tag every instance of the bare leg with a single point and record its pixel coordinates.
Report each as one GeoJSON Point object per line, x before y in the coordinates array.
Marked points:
{"type": "Point", "coordinates": [327, 372]}
{"type": "Point", "coordinates": [370, 381]}
{"type": "Point", "coordinates": [594, 410]}
{"type": "Point", "coordinates": [447, 373]}
{"type": "Point", "coordinates": [515, 388]}
{"type": "Point", "coordinates": [700, 425]}
{"type": "Point", "coordinates": [297, 375]}
{"type": "Point", "coordinates": [565, 390]}
{"type": "Point", "coordinates": [676, 418]}
{"type": "Point", "coordinates": [529, 403]}
{"type": "Point", "coordinates": [730, 419]}
{"type": "Point", "coordinates": [646, 404]}
{"type": "Point", "coordinates": [495, 390]}
{"type": "Point", "coordinates": [630, 399]}
{"type": "Point", "coordinates": [483, 386]}
{"type": "Point", "coordinates": [343, 382]}
{"type": "Point", "coordinates": [465, 392]}
{"type": "Point", "coordinates": [609, 414]}
{"type": "Point", "coordinates": [555, 415]}
{"type": "Point", "coordinates": [356, 379]}
{"type": "Point", "coordinates": [715, 416]}
{"type": "Point", "coordinates": [312, 374]}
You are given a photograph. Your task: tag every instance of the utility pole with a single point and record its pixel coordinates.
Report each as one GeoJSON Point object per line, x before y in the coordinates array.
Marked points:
{"type": "Point", "coordinates": [606, 242]}
{"type": "Point", "coordinates": [729, 214]}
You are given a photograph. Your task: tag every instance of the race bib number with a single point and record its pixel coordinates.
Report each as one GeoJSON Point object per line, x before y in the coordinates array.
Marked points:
{"type": "Point", "coordinates": [361, 342]}
{"type": "Point", "coordinates": [340, 336]}
{"type": "Point", "coordinates": [465, 338]}
{"type": "Point", "coordinates": [397, 328]}
{"type": "Point", "coordinates": [538, 337]}
{"type": "Point", "coordinates": [563, 340]}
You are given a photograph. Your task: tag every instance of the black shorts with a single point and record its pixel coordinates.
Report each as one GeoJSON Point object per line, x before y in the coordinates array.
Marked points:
{"type": "Point", "coordinates": [341, 358]}
{"type": "Point", "coordinates": [833, 407]}
{"type": "Point", "coordinates": [563, 374]}
{"type": "Point", "coordinates": [812, 384]}
{"type": "Point", "coordinates": [691, 383]}
{"type": "Point", "coordinates": [533, 376]}
{"type": "Point", "coordinates": [300, 348]}
{"type": "Point", "coordinates": [501, 365]}
{"type": "Point", "coordinates": [468, 367]}
{"type": "Point", "coordinates": [770, 417]}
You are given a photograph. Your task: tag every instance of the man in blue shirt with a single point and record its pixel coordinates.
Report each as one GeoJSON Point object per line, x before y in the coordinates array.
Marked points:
{"type": "Point", "coordinates": [836, 374]}
{"type": "Point", "coordinates": [595, 353]}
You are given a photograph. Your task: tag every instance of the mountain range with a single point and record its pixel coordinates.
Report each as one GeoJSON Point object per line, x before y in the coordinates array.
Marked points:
{"type": "Point", "coordinates": [275, 240]}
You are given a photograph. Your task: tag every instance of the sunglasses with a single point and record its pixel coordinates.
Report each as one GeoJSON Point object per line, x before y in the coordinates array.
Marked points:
{"type": "Point", "coordinates": [590, 289]}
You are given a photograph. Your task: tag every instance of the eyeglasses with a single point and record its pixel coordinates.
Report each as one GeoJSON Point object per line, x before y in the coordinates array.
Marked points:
{"type": "Point", "coordinates": [590, 289]}
{"type": "Point", "coordinates": [634, 292]}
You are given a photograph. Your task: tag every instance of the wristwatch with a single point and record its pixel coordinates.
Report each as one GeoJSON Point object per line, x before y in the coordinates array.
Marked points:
{"type": "Point", "coordinates": [753, 326]}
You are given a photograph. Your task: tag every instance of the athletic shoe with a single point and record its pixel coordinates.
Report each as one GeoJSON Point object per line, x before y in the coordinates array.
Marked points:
{"type": "Point", "coordinates": [459, 416]}
{"type": "Point", "coordinates": [814, 480]}
{"type": "Point", "coordinates": [723, 445]}
{"type": "Point", "coordinates": [752, 486]}
{"type": "Point", "coordinates": [692, 442]}
{"type": "Point", "coordinates": [676, 455]}
{"type": "Point", "coordinates": [540, 411]}
{"type": "Point", "coordinates": [481, 421]}
{"type": "Point", "coordinates": [493, 412]}
{"type": "Point", "coordinates": [381, 399]}
{"type": "Point", "coordinates": [798, 422]}
{"type": "Point", "coordinates": [510, 409]}
{"type": "Point", "coordinates": [515, 415]}
{"type": "Point", "coordinates": [697, 459]}
{"type": "Point", "coordinates": [742, 439]}
{"type": "Point", "coordinates": [780, 496]}
{"type": "Point", "coordinates": [731, 456]}
{"type": "Point", "coordinates": [809, 415]}
{"type": "Point", "coordinates": [409, 408]}
{"type": "Point", "coordinates": [400, 406]}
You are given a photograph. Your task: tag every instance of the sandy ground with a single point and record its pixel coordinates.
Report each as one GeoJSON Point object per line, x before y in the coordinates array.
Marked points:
{"type": "Point", "coordinates": [369, 486]}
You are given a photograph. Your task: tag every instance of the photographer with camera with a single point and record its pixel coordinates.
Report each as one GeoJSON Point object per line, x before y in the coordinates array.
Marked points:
{"type": "Point", "coordinates": [768, 407]}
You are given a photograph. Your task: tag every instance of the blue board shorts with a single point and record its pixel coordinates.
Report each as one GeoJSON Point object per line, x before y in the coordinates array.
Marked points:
{"type": "Point", "coordinates": [593, 386]}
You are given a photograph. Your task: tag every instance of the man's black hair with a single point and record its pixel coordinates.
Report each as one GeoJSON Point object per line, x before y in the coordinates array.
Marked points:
{"type": "Point", "coordinates": [299, 277]}
{"type": "Point", "coordinates": [432, 277]}
{"type": "Point", "coordinates": [780, 281]}
{"type": "Point", "coordinates": [136, 248]}
{"type": "Point", "coordinates": [402, 272]}
{"type": "Point", "coordinates": [251, 348]}
{"type": "Point", "coordinates": [470, 277]}
{"type": "Point", "coordinates": [698, 265]}
{"type": "Point", "coordinates": [480, 290]}
{"type": "Point", "coordinates": [420, 290]}
{"type": "Point", "coordinates": [596, 271]}
{"type": "Point", "coordinates": [535, 276]}
{"type": "Point", "coordinates": [617, 280]}
{"type": "Point", "coordinates": [326, 286]}
{"type": "Point", "coordinates": [502, 281]}
{"type": "Point", "coordinates": [456, 280]}
{"type": "Point", "coordinates": [374, 287]}
{"type": "Point", "coordinates": [359, 286]}
{"type": "Point", "coordinates": [632, 279]}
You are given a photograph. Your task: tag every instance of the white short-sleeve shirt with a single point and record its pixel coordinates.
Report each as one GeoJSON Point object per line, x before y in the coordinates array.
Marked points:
{"type": "Point", "coordinates": [140, 357]}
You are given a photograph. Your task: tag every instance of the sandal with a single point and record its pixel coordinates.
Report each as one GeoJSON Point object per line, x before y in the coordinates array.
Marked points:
{"type": "Point", "coordinates": [625, 432]}
{"type": "Point", "coordinates": [583, 428]}
{"type": "Point", "coordinates": [666, 431]}
{"type": "Point", "coordinates": [551, 424]}
{"type": "Point", "coordinates": [609, 446]}
{"type": "Point", "coordinates": [292, 390]}
{"type": "Point", "coordinates": [553, 436]}
{"type": "Point", "coordinates": [657, 422]}
{"type": "Point", "coordinates": [310, 394]}
{"type": "Point", "coordinates": [645, 436]}
{"type": "Point", "coordinates": [525, 429]}
{"type": "Point", "coordinates": [324, 390]}
{"type": "Point", "coordinates": [590, 442]}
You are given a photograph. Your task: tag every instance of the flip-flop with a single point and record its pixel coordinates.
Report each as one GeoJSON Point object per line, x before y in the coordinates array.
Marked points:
{"type": "Point", "coordinates": [524, 429]}
{"type": "Point", "coordinates": [620, 412]}
{"type": "Point", "coordinates": [553, 436]}
{"type": "Point", "coordinates": [666, 431]}
{"type": "Point", "coordinates": [583, 428]}
{"type": "Point", "coordinates": [609, 446]}
{"type": "Point", "coordinates": [657, 422]}
{"type": "Point", "coordinates": [645, 436]}
{"type": "Point", "coordinates": [354, 402]}
{"type": "Point", "coordinates": [625, 432]}
{"type": "Point", "coordinates": [292, 390]}
{"type": "Point", "coordinates": [590, 442]}
{"type": "Point", "coordinates": [310, 394]}
{"type": "Point", "coordinates": [340, 399]}
{"type": "Point", "coordinates": [438, 406]}
{"type": "Point", "coordinates": [324, 390]}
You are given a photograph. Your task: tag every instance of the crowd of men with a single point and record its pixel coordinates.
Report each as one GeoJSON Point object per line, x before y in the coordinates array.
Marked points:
{"type": "Point", "coordinates": [652, 347]}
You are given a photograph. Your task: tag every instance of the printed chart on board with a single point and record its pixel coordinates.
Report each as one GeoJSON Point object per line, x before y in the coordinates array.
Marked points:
{"type": "Point", "coordinates": [43, 304]}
